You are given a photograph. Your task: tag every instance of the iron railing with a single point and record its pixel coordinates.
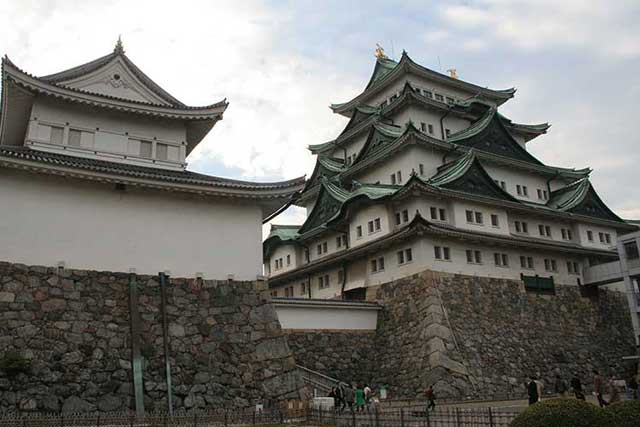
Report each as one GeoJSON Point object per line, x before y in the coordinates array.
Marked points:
{"type": "Point", "coordinates": [369, 417]}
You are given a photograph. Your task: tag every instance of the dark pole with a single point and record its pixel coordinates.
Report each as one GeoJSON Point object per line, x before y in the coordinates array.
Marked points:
{"type": "Point", "coordinates": [136, 357]}
{"type": "Point", "coordinates": [164, 279]}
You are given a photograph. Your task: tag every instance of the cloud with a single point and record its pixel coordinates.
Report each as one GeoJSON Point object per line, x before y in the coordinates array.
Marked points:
{"type": "Point", "coordinates": [603, 28]}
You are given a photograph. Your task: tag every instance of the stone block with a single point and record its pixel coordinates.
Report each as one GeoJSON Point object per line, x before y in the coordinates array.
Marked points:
{"type": "Point", "coordinates": [7, 297]}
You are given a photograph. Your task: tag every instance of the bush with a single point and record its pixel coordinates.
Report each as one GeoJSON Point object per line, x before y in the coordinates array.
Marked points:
{"type": "Point", "coordinates": [624, 414]}
{"type": "Point", "coordinates": [561, 413]}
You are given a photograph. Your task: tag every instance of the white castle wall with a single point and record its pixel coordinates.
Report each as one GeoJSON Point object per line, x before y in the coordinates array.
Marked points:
{"type": "Point", "coordinates": [47, 219]}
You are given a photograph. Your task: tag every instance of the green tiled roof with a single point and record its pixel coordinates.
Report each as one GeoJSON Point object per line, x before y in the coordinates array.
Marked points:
{"type": "Point", "coordinates": [581, 198]}
{"type": "Point", "coordinates": [284, 232]}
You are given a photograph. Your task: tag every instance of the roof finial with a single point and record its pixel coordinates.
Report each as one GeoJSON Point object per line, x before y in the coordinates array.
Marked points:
{"type": "Point", "coordinates": [453, 73]}
{"type": "Point", "coordinates": [380, 52]}
{"type": "Point", "coordinates": [119, 49]}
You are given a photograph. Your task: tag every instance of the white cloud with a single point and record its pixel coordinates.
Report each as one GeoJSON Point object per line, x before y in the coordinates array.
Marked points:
{"type": "Point", "coordinates": [201, 52]}
{"type": "Point", "coordinates": [603, 28]}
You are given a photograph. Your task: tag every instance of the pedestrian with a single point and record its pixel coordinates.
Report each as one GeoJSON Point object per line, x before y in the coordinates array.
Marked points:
{"type": "Point", "coordinates": [614, 392]}
{"type": "Point", "coordinates": [598, 387]}
{"type": "Point", "coordinates": [349, 396]}
{"type": "Point", "coordinates": [560, 386]}
{"type": "Point", "coordinates": [431, 398]}
{"type": "Point", "coordinates": [576, 386]}
{"type": "Point", "coordinates": [532, 391]}
{"type": "Point", "coordinates": [360, 402]}
{"type": "Point", "coordinates": [367, 394]}
{"type": "Point", "coordinates": [340, 403]}
{"type": "Point", "coordinates": [333, 394]}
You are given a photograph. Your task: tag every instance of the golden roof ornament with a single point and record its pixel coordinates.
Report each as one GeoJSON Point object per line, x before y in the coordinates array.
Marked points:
{"type": "Point", "coordinates": [453, 73]}
{"type": "Point", "coordinates": [380, 52]}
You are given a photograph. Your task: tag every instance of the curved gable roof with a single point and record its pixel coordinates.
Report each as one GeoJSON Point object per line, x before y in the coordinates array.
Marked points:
{"type": "Point", "coordinates": [581, 198]}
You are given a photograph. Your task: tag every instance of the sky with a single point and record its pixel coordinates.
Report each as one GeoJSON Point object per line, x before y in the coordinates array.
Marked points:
{"type": "Point", "coordinates": [575, 64]}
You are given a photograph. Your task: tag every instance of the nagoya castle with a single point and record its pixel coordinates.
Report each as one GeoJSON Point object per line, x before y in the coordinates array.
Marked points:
{"type": "Point", "coordinates": [429, 175]}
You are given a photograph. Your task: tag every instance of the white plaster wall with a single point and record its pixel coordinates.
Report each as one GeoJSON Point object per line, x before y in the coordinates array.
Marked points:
{"type": "Point", "coordinates": [281, 252]}
{"type": "Point", "coordinates": [460, 217]}
{"type": "Point", "coordinates": [321, 317]}
{"type": "Point", "coordinates": [513, 177]}
{"type": "Point", "coordinates": [423, 205]}
{"type": "Point", "coordinates": [92, 226]}
{"type": "Point", "coordinates": [332, 246]}
{"type": "Point", "coordinates": [406, 161]}
{"type": "Point", "coordinates": [112, 130]}
{"type": "Point", "coordinates": [362, 218]}
{"type": "Point", "coordinates": [582, 236]}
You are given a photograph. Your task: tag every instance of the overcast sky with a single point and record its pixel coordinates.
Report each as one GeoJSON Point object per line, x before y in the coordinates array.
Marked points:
{"type": "Point", "coordinates": [280, 64]}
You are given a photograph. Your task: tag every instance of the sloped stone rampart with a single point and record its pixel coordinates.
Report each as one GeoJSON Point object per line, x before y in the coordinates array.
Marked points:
{"type": "Point", "coordinates": [226, 344]}
{"type": "Point", "coordinates": [474, 337]}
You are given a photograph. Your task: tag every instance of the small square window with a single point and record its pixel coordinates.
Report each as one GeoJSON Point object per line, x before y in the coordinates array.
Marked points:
{"type": "Point", "coordinates": [478, 257]}
{"type": "Point", "coordinates": [74, 137]}
{"type": "Point", "coordinates": [377, 224]}
{"type": "Point", "coordinates": [443, 214]}
{"type": "Point", "coordinates": [478, 216]}
{"type": "Point", "coordinates": [469, 216]}
{"type": "Point", "coordinates": [421, 169]}
{"type": "Point", "coordinates": [494, 220]}
{"type": "Point", "coordinates": [437, 252]}
{"type": "Point", "coordinates": [359, 231]}
{"type": "Point", "coordinates": [547, 230]}
{"type": "Point", "coordinates": [393, 179]}
{"type": "Point", "coordinates": [447, 253]}
{"type": "Point", "coordinates": [145, 149]}
{"type": "Point", "coordinates": [161, 151]}
{"type": "Point", "coordinates": [423, 127]}
{"type": "Point", "coordinates": [428, 94]}
{"type": "Point", "coordinates": [525, 191]}
{"type": "Point", "coordinates": [399, 176]}
{"type": "Point", "coordinates": [430, 128]}
{"type": "Point", "coordinates": [398, 218]}
{"type": "Point", "coordinates": [400, 255]}
{"type": "Point", "coordinates": [434, 213]}
{"type": "Point", "coordinates": [370, 225]}
{"type": "Point", "coordinates": [590, 235]}
{"type": "Point", "coordinates": [439, 97]}
{"type": "Point", "coordinates": [408, 255]}
{"type": "Point", "coordinates": [519, 190]}
{"type": "Point", "coordinates": [405, 216]}
{"type": "Point", "coordinates": [469, 256]}
{"type": "Point", "coordinates": [607, 237]}
{"type": "Point", "coordinates": [447, 132]}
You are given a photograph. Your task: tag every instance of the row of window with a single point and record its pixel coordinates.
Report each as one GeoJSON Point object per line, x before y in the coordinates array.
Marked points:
{"type": "Point", "coordinates": [603, 237]}
{"type": "Point", "coordinates": [543, 230]}
{"type": "Point", "coordinates": [373, 226]}
{"type": "Point", "coordinates": [443, 253]}
{"type": "Point", "coordinates": [427, 93]}
{"type": "Point", "coordinates": [396, 178]}
{"type": "Point", "coordinates": [136, 147]}
{"type": "Point", "coordinates": [523, 190]}
{"type": "Point", "coordinates": [278, 263]}
{"type": "Point", "coordinates": [476, 217]}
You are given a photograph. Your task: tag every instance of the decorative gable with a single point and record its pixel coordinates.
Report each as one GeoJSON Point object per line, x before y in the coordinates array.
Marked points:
{"type": "Point", "coordinates": [117, 80]}
{"type": "Point", "coordinates": [490, 135]}
{"type": "Point", "coordinates": [324, 209]}
{"type": "Point", "coordinates": [468, 176]}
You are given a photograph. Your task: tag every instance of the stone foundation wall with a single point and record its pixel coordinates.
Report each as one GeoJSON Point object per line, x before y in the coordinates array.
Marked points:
{"type": "Point", "coordinates": [343, 355]}
{"type": "Point", "coordinates": [473, 336]}
{"type": "Point", "coordinates": [226, 345]}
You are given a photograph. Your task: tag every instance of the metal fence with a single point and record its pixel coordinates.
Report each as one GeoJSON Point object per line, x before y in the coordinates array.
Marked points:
{"type": "Point", "coordinates": [416, 417]}
{"type": "Point", "coordinates": [192, 419]}
{"type": "Point", "coordinates": [441, 417]}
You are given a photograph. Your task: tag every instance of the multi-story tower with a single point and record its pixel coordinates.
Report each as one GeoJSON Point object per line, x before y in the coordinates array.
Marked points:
{"type": "Point", "coordinates": [428, 175]}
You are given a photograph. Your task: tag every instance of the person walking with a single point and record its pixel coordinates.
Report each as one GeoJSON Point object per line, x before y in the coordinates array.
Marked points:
{"type": "Point", "coordinates": [334, 394]}
{"type": "Point", "coordinates": [532, 391]}
{"type": "Point", "coordinates": [576, 386]}
{"type": "Point", "coordinates": [349, 396]}
{"type": "Point", "coordinates": [560, 386]}
{"type": "Point", "coordinates": [360, 402]}
{"type": "Point", "coordinates": [340, 403]}
{"type": "Point", "coordinates": [614, 392]}
{"type": "Point", "coordinates": [598, 387]}
{"type": "Point", "coordinates": [431, 398]}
